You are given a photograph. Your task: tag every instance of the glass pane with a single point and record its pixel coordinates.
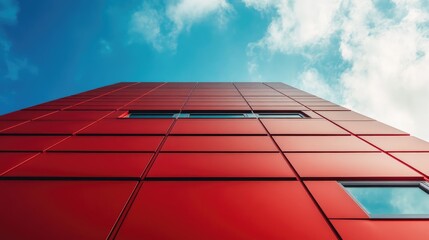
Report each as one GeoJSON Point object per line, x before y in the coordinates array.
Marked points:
{"type": "Point", "coordinates": [280, 115]}
{"type": "Point", "coordinates": [391, 200]}
{"type": "Point", "coordinates": [216, 115]}
{"type": "Point", "coordinates": [151, 115]}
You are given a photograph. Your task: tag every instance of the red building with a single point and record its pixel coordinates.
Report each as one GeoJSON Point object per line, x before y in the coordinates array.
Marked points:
{"type": "Point", "coordinates": [208, 161]}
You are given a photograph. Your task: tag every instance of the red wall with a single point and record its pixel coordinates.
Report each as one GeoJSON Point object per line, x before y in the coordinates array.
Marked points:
{"type": "Point", "coordinates": [74, 169]}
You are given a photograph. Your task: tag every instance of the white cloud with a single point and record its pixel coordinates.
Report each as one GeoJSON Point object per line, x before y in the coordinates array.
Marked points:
{"type": "Point", "coordinates": [388, 53]}
{"type": "Point", "coordinates": [389, 77]}
{"type": "Point", "coordinates": [312, 82]}
{"type": "Point", "coordinates": [161, 27]}
{"type": "Point", "coordinates": [297, 24]}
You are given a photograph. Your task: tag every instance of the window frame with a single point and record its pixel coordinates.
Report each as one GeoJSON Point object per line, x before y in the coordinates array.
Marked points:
{"type": "Point", "coordinates": [423, 185]}
{"type": "Point", "coordinates": [298, 113]}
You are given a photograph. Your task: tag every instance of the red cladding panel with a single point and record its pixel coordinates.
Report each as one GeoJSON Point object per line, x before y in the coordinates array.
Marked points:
{"type": "Point", "coordinates": [322, 144]}
{"type": "Point", "coordinates": [398, 143]}
{"type": "Point", "coordinates": [219, 144]}
{"type": "Point", "coordinates": [24, 115]}
{"type": "Point", "coordinates": [61, 209]}
{"type": "Point", "coordinates": [224, 210]}
{"type": "Point", "coordinates": [419, 161]}
{"type": "Point", "coordinates": [10, 160]}
{"type": "Point", "coordinates": [343, 115]}
{"type": "Point", "coordinates": [369, 128]}
{"type": "Point", "coordinates": [84, 165]}
{"type": "Point", "coordinates": [218, 126]}
{"type": "Point", "coordinates": [28, 143]}
{"type": "Point", "coordinates": [48, 127]}
{"type": "Point", "coordinates": [129, 126]}
{"type": "Point", "coordinates": [334, 200]}
{"type": "Point", "coordinates": [75, 115]}
{"type": "Point", "coordinates": [375, 230]}
{"type": "Point", "coordinates": [350, 165]}
{"type": "Point", "coordinates": [8, 124]}
{"type": "Point", "coordinates": [109, 144]}
{"type": "Point", "coordinates": [302, 126]}
{"type": "Point", "coordinates": [220, 165]}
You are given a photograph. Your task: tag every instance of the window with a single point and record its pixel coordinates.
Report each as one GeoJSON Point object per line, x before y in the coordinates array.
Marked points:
{"type": "Point", "coordinates": [216, 115]}
{"type": "Point", "coordinates": [281, 115]}
{"type": "Point", "coordinates": [133, 114]}
{"type": "Point", "coordinates": [391, 199]}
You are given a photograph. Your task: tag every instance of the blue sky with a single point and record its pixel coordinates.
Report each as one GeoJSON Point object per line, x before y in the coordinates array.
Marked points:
{"type": "Point", "coordinates": [368, 55]}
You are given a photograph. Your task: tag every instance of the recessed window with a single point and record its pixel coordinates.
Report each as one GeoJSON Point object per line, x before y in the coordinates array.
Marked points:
{"type": "Point", "coordinates": [281, 115]}
{"type": "Point", "coordinates": [216, 115]}
{"type": "Point", "coordinates": [151, 115]}
{"type": "Point", "coordinates": [391, 199]}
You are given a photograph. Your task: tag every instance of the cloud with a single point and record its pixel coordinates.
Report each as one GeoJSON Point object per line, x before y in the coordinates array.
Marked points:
{"type": "Point", "coordinates": [297, 24]}
{"type": "Point", "coordinates": [161, 26]}
{"type": "Point", "coordinates": [11, 66]}
{"type": "Point", "coordinates": [312, 82]}
{"type": "Point", "coordinates": [384, 43]}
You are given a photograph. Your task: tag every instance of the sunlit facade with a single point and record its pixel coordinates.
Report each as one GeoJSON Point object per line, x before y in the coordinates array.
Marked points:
{"type": "Point", "coordinates": [208, 161]}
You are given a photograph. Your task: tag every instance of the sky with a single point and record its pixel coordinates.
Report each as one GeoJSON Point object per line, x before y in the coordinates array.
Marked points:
{"type": "Point", "coordinates": [371, 56]}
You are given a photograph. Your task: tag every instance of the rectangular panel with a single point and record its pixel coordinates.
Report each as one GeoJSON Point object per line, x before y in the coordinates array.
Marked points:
{"type": "Point", "coordinates": [49, 127]}
{"type": "Point", "coordinates": [302, 126]}
{"type": "Point", "coordinates": [218, 126]}
{"type": "Point", "coordinates": [369, 128]}
{"type": "Point", "coordinates": [419, 161]}
{"type": "Point", "coordinates": [61, 209]}
{"type": "Point", "coordinates": [375, 230]}
{"type": "Point", "coordinates": [109, 144]}
{"type": "Point", "coordinates": [24, 115]}
{"type": "Point", "coordinates": [224, 210]}
{"type": "Point", "coordinates": [350, 165]}
{"type": "Point", "coordinates": [334, 200]}
{"type": "Point", "coordinates": [9, 160]}
{"type": "Point", "coordinates": [220, 165]}
{"type": "Point", "coordinates": [75, 115]}
{"type": "Point", "coordinates": [322, 144]}
{"type": "Point", "coordinates": [219, 144]}
{"type": "Point", "coordinates": [28, 143]}
{"type": "Point", "coordinates": [84, 165]}
{"type": "Point", "coordinates": [129, 126]}
{"type": "Point", "coordinates": [398, 143]}
{"type": "Point", "coordinates": [343, 115]}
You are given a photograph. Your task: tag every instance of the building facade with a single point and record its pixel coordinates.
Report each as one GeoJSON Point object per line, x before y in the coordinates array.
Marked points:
{"type": "Point", "coordinates": [208, 161]}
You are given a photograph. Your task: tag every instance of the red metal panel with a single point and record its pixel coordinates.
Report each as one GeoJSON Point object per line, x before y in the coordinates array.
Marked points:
{"type": "Point", "coordinates": [109, 144]}
{"type": "Point", "coordinates": [61, 209]}
{"type": "Point", "coordinates": [28, 143]}
{"type": "Point", "coordinates": [75, 115]}
{"type": "Point", "coordinates": [224, 210]}
{"type": "Point", "coordinates": [84, 165]}
{"type": "Point", "coordinates": [49, 127]}
{"type": "Point", "coordinates": [420, 161]}
{"type": "Point", "coordinates": [220, 165]}
{"type": "Point", "coordinates": [129, 126]}
{"type": "Point", "coordinates": [334, 200]}
{"type": "Point", "coordinates": [219, 144]}
{"type": "Point", "coordinates": [398, 143]}
{"type": "Point", "coordinates": [218, 126]}
{"type": "Point", "coordinates": [350, 165]}
{"type": "Point", "coordinates": [382, 229]}
{"type": "Point", "coordinates": [343, 115]}
{"type": "Point", "coordinates": [322, 144]}
{"type": "Point", "coordinates": [24, 115]}
{"type": "Point", "coordinates": [302, 126]}
{"type": "Point", "coordinates": [369, 128]}
{"type": "Point", "coordinates": [278, 108]}
{"type": "Point", "coordinates": [10, 160]}
{"type": "Point", "coordinates": [8, 124]}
